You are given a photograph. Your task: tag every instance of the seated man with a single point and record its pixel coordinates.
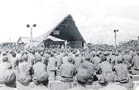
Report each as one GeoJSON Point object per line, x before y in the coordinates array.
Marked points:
{"type": "Point", "coordinates": [9, 80]}
{"type": "Point", "coordinates": [38, 68]}
{"type": "Point", "coordinates": [67, 71]}
{"type": "Point", "coordinates": [52, 67]}
{"type": "Point", "coordinates": [121, 70]}
{"type": "Point", "coordinates": [5, 65]}
{"type": "Point", "coordinates": [110, 83]}
{"type": "Point", "coordinates": [82, 77]}
{"type": "Point", "coordinates": [41, 82]}
{"type": "Point", "coordinates": [135, 63]}
{"type": "Point", "coordinates": [89, 67]}
{"type": "Point", "coordinates": [24, 70]}
{"type": "Point", "coordinates": [103, 68]}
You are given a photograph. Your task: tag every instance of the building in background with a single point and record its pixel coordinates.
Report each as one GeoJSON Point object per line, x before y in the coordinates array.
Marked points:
{"type": "Point", "coordinates": [23, 40]}
{"type": "Point", "coordinates": [65, 32]}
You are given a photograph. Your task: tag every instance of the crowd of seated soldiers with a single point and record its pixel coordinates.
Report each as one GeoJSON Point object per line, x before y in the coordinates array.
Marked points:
{"type": "Point", "coordinates": [36, 69]}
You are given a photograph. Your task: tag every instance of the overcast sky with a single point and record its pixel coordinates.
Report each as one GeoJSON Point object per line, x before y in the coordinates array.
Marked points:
{"type": "Point", "coordinates": [95, 19]}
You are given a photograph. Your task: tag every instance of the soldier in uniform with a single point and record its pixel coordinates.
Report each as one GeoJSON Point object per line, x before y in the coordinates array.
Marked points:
{"type": "Point", "coordinates": [127, 59]}
{"type": "Point", "coordinates": [121, 70]}
{"type": "Point", "coordinates": [38, 68]}
{"type": "Point", "coordinates": [67, 73]}
{"type": "Point", "coordinates": [89, 67]}
{"type": "Point", "coordinates": [122, 73]}
{"type": "Point", "coordinates": [78, 60]}
{"type": "Point", "coordinates": [24, 76]}
{"type": "Point", "coordinates": [5, 65]}
{"type": "Point", "coordinates": [13, 60]}
{"type": "Point", "coordinates": [103, 68]}
{"type": "Point", "coordinates": [9, 79]}
{"type": "Point", "coordinates": [41, 81]}
{"type": "Point", "coordinates": [135, 63]}
{"type": "Point", "coordinates": [31, 57]}
{"type": "Point", "coordinates": [52, 67]}
{"type": "Point", "coordinates": [82, 77]}
{"type": "Point", "coordinates": [65, 58]}
{"type": "Point", "coordinates": [110, 83]}
{"type": "Point", "coordinates": [96, 60]}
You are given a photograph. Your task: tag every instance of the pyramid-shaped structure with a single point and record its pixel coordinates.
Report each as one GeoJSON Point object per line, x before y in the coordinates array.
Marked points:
{"type": "Point", "coordinates": [67, 30]}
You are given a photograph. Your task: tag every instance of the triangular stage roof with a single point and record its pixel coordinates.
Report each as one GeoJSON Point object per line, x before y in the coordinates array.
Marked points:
{"type": "Point", "coordinates": [65, 30]}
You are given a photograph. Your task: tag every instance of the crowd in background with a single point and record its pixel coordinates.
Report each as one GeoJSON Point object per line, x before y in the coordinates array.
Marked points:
{"type": "Point", "coordinates": [74, 69]}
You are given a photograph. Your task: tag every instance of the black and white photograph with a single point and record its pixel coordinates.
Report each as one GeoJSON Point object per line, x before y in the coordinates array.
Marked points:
{"type": "Point", "coordinates": [69, 44]}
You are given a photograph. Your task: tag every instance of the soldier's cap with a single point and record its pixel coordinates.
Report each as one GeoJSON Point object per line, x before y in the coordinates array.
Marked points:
{"type": "Point", "coordinates": [18, 58]}
{"type": "Point", "coordinates": [5, 58]}
{"type": "Point", "coordinates": [32, 51]}
{"type": "Point", "coordinates": [25, 51]}
{"type": "Point", "coordinates": [138, 52]}
{"type": "Point", "coordinates": [46, 55]}
{"type": "Point", "coordinates": [41, 53]}
{"type": "Point", "coordinates": [51, 54]}
{"type": "Point", "coordinates": [87, 57]}
{"type": "Point", "coordinates": [103, 58]}
{"type": "Point", "coordinates": [77, 54]}
{"type": "Point", "coordinates": [97, 53]}
{"type": "Point", "coordinates": [38, 58]}
{"type": "Point", "coordinates": [41, 77]}
{"type": "Point", "coordinates": [4, 53]}
{"type": "Point", "coordinates": [82, 75]}
{"type": "Point", "coordinates": [24, 57]}
{"type": "Point", "coordinates": [116, 53]}
{"type": "Point", "coordinates": [120, 60]}
{"type": "Point", "coordinates": [106, 53]}
{"type": "Point", "coordinates": [126, 51]}
{"type": "Point", "coordinates": [9, 77]}
{"type": "Point", "coordinates": [70, 59]}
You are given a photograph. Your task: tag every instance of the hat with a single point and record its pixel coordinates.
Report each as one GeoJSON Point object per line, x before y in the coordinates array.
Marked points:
{"type": "Point", "coordinates": [70, 59]}
{"type": "Point", "coordinates": [87, 57]}
{"type": "Point", "coordinates": [38, 58]}
{"type": "Point", "coordinates": [77, 54]}
{"type": "Point", "coordinates": [105, 53]}
{"type": "Point", "coordinates": [82, 75]}
{"type": "Point", "coordinates": [25, 57]}
{"type": "Point", "coordinates": [46, 55]}
{"type": "Point", "coordinates": [137, 52]}
{"type": "Point", "coordinates": [32, 51]}
{"type": "Point", "coordinates": [116, 53]}
{"type": "Point", "coordinates": [51, 54]}
{"type": "Point", "coordinates": [97, 53]}
{"type": "Point", "coordinates": [5, 58]}
{"type": "Point", "coordinates": [103, 58]}
{"type": "Point", "coordinates": [120, 59]}
{"type": "Point", "coordinates": [9, 77]}
{"type": "Point", "coordinates": [13, 54]}
{"type": "Point", "coordinates": [4, 53]}
{"type": "Point", "coordinates": [41, 77]}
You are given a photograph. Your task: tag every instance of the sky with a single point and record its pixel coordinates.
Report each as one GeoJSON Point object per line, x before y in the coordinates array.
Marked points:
{"type": "Point", "coordinates": [95, 19]}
